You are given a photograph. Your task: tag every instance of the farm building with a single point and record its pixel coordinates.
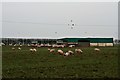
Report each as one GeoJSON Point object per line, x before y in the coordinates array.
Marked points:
{"type": "Point", "coordinates": [86, 41]}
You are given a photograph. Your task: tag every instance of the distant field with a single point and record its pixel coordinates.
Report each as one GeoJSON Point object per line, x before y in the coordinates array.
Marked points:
{"type": "Point", "coordinates": [41, 64]}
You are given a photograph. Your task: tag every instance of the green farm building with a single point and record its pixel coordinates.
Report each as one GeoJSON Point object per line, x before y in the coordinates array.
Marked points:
{"type": "Point", "coordinates": [86, 41]}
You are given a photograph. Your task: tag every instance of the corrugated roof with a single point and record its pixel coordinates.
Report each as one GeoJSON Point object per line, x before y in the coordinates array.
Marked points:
{"type": "Point", "coordinates": [92, 40]}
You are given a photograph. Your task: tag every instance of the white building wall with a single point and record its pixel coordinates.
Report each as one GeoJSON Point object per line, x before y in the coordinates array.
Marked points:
{"type": "Point", "coordinates": [101, 44]}
{"type": "Point", "coordinates": [93, 44]}
{"type": "Point", "coordinates": [109, 44]}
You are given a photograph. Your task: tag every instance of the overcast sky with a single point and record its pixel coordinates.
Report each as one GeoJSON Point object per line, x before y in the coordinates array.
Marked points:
{"type": "Point", "coordinates": [50, 20]}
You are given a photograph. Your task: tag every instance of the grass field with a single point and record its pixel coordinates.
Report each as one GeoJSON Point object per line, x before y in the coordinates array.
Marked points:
{"type": "Point", "coordinates": [41, 64]}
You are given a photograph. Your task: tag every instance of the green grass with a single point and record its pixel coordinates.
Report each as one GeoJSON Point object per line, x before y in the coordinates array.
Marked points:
{"type": "Point", "coordinates": [41, 64]}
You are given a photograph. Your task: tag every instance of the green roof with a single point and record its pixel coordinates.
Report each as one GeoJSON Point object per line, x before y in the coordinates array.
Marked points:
{"type": "Point", "coordinates": [91, 40]}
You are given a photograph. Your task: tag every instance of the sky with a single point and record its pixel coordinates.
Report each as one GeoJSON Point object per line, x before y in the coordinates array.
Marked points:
{"type": "Point", "coordinates": [51, 19]}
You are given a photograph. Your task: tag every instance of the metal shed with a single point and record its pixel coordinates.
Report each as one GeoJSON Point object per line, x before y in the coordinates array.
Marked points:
{"type": "Point", "coordinates": [88, 41]}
